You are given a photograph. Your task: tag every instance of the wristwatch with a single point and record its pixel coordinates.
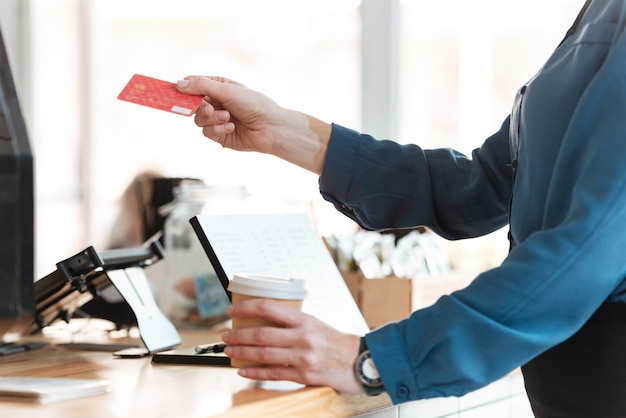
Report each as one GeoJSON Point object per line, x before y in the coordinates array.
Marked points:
{"type": "Point", "coordinates": [366, 371]}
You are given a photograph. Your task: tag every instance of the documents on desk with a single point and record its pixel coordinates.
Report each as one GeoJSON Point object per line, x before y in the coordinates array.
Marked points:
{"type": "Point", "coordinates": [49, 389]}
{"type": "Point", "coordinates": [284, 245]}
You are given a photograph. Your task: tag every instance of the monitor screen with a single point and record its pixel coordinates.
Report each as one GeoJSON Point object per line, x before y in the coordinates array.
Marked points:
{"type": "Point", "coordinates": [17, 194]}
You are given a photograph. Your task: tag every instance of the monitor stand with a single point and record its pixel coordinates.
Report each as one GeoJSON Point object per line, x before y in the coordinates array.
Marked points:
{"type": "Point", "coordinates": [156, 330]}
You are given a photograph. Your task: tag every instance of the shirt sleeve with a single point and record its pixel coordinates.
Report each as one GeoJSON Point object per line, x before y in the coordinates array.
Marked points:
{"type": "Point", "coordinates": [550, 283]}
{"type": "Point", "coordinates": [381, 184]}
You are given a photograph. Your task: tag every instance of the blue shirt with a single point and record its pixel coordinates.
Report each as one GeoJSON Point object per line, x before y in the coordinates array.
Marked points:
{"type": "Point", "coordinates": [555, 171]}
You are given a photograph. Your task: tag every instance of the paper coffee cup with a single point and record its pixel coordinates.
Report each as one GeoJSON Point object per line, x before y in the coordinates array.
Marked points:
{"type": "Point", "coordinates": [249, 286]}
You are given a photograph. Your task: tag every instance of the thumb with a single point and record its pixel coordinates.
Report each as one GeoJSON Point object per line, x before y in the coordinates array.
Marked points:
{"type": "Point", "coordinates": [215, 88]}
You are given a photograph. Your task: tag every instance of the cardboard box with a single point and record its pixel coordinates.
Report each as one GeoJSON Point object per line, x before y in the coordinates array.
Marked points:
{"type": "Point", "coordinates": [393, 299]}
{"type": "Point", "coordinates": [380, 300]}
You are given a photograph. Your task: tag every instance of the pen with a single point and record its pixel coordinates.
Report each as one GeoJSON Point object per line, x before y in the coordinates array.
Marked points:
{"type": "Point", "coordinates": [210, 348]}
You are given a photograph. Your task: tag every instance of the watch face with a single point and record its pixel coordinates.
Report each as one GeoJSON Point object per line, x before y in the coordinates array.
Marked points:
{"type": "Point", "coordinates": [367, 370]}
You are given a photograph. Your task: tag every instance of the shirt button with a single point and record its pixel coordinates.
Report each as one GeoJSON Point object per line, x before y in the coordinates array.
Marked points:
{"type": "Point", "coordinates": [402, 391]}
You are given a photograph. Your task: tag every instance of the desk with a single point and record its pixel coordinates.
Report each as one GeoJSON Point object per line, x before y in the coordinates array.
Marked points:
{"type": "Point", "coordinates": [142, 389]}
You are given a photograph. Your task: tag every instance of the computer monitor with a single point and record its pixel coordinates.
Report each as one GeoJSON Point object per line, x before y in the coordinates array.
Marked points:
{"type": "Point", "coordinates": [17, 210]}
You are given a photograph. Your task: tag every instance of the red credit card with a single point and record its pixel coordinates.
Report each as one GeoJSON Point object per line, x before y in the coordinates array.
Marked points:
{"type": "Point", "coordinates": [159, 94]}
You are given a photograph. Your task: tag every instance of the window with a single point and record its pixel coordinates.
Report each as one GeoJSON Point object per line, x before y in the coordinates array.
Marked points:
{"type": "Point", "coordinates": [305, 55]}
{"type": "Point", "coordinates": [461, 63]}
{"type": "Point", "coordinates": [459, 66]}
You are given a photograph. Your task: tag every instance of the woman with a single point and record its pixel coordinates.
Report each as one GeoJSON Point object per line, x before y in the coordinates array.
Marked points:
{"type": "Point", "coordinates": [554, 172]}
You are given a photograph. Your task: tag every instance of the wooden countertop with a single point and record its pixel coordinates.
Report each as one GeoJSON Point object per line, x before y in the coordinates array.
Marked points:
{"type": "Point", "coordinates": [143, 389]}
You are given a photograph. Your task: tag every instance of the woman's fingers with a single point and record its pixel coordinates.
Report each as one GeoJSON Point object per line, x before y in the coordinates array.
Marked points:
{"type": "Point", "coordinates": [274, 311]}
{"type": "Point", "coordinates": [269, 336]}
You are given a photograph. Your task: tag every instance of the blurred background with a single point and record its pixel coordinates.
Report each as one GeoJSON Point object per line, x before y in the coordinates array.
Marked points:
{"type": "Point", "coordinates": [439, 74]}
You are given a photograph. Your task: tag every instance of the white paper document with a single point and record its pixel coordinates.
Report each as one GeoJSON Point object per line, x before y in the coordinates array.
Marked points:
{"type": "Point", "coordinates": [49, 389]}
{"type": "Point", "coordinates": [283, 245]}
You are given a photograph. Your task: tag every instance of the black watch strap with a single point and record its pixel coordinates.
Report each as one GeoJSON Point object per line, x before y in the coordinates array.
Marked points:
{"type": "Point", "coordinates": [362, 345]}
{"type": "Point", "coordinates": [366, 372]}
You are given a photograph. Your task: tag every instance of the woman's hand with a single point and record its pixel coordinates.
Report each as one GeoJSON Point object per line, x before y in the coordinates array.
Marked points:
{"type": "Point", "coordinates": [301, 348]}
{"type": "Point", "coordinates": [242, 119]}
{"type": "Point", "coordinates": [233, 115]}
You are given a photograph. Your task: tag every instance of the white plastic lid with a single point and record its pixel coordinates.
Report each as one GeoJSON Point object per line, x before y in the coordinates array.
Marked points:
{"type": "Point", "coordinates": [268, 287]}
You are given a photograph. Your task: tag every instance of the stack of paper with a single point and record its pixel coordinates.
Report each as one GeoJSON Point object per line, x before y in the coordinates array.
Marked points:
{"type": "Point", "coordinates": [49, 389]}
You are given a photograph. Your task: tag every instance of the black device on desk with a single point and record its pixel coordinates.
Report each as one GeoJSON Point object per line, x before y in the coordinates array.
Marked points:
{"type": "Point", "coordinates": [81, 277]}
{"type": "Point", "coordinates": [17, 213]}
{"type": "Point", "coordinates": [212, 355]}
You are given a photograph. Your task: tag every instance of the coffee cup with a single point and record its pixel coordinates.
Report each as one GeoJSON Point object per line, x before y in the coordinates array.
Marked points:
{"type": "Point", "coordinates": [288, 291]}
